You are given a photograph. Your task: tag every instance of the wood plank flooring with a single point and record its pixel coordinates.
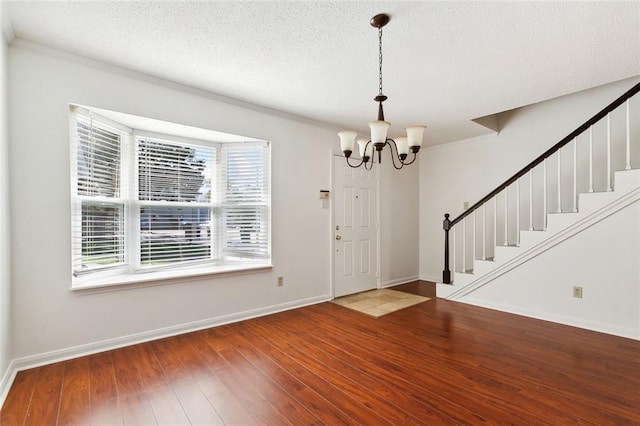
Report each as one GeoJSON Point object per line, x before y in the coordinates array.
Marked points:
{"type": "Point", "coordinates": [438, 363]}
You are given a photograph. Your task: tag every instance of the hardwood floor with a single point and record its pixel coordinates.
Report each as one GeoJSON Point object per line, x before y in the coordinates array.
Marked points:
{"type": "Point", "coordinates": [438, 362]}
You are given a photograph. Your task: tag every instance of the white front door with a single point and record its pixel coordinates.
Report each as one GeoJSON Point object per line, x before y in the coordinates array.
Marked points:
{"type": "Point", "coordinates": [355, 228]}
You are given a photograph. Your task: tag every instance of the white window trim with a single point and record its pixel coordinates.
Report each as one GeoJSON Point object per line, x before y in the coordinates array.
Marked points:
{"type": "Point", "coordinates": [129, 281]}
{"type": "Point", "coordinates": [132, 275]}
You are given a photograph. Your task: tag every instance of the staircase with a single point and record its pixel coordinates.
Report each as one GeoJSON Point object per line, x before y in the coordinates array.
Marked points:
{"type": "Point", "coordinates": [582, 180]}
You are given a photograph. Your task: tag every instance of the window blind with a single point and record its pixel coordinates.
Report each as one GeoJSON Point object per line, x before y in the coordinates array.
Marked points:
{"type": "Point", "coordinates": [171, 178]}
{"type": "Point", "coordinates": [98, 160]}
{"type": "Point", "coordinates": [169, 171]}
{"type": "Point", "coordinates": [245, 206]}
{"type": "Point", "coordinates": [98, 212]}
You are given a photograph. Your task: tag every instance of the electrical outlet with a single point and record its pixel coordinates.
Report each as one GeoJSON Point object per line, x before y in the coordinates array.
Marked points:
{"type": "Point", "coordinates": [280, 281]}
{"type": "Point", "coordinates": [465, 205]}
{"type": "Point", "coordinates": [577, 291]}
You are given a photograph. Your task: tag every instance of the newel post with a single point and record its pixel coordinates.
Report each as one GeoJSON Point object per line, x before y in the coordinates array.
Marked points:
{"type": "Point", "coordinates": [446, 273]}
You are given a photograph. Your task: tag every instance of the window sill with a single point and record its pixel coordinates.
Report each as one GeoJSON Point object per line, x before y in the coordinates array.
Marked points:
{"type": "Point", "coordinates": [144, 279]}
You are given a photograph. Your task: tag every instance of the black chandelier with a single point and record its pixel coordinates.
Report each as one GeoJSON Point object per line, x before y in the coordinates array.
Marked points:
{"type": "Point", "coordinates": [401, 145]}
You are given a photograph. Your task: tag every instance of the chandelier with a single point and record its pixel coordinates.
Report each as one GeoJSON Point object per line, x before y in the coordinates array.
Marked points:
{"type": "Point", "coordinates": [401, 145]}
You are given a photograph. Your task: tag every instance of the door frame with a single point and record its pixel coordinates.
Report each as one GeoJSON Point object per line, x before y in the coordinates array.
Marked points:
{"type": "Point", "coordinates": [376, 169]}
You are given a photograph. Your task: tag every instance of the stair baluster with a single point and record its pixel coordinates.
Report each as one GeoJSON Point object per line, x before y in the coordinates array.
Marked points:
{"type": "Point", "coordinates": [506, 217]}
{"type": "Point", "coordinates": [609, 152]}
{"type": "Point", "coordinates": [590, 159]}
{"type": "Point", "coordinates": [559, 179]}
{"type": "Point", "coordinates": [544, 194]}
{"type": "Point", "coordinates": [628, 144]}
{"type": "Point", "coordinates": [518, 212]}
{"type": "Point", "coordinates": [574, 197]}
{"type": "Point", "coordinates": [484, 232]}
{"type": "Point", "coordinates": [531, 200]}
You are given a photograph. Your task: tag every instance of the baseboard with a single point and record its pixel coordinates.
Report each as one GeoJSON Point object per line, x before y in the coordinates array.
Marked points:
{"type": "Point", "coordinates": [7, 381]}
{"type": "Point", "coordinates": [627, 332]}
{"type": "Point", "coordinates": [398, 281]}
{"type": "Point", "coordinates": [91, 348]}
{"type": "Point", "coordinates": [433, 279]}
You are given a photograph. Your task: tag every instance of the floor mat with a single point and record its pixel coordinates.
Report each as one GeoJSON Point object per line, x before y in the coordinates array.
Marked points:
{"type": "Point", "coordinates": [379, 302]}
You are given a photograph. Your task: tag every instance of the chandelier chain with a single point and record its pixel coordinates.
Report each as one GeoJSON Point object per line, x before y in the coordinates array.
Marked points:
{"type": "Point", "coordinates": [380, 60]}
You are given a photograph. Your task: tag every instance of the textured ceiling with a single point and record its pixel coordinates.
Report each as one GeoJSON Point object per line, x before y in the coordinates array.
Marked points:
{"type": "Point", "coordinates": [445, 63]}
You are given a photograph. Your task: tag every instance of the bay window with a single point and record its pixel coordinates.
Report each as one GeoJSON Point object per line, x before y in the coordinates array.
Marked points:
{"type": "Point", "coordinates": [143, 201]}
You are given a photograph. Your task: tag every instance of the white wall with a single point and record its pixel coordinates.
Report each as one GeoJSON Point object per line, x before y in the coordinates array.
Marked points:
{"type": "Point", "coordinates": [5, 275]}
{"type": "Point", "coordinates": [47, 316]}
{"type": "Point", "coordinates": [603, 260]}
{"type": "Point", "coordinates": [399, 215]}
{"type": "Point", "coordinates": [467, 170]}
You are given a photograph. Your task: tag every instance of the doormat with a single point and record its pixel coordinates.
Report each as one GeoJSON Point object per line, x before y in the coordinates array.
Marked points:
{"type": "Point", "coordinates": [377, 303]}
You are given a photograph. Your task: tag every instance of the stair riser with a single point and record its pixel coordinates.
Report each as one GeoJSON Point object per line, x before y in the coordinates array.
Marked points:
{"type": "Point", "coordinates": [558, 221]}
{"type": "Point", "coordinates": [530, 238]}
{"type": "Point", "coordinates": [506, 253]}
{"type": "Point", "coordinates": [591, 202]}
{"type": "Point", "coordinates": [626, 180]}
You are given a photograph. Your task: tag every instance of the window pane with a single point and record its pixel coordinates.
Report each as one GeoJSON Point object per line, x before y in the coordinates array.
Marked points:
{"type": "Point", "coordinates": [247, 180]}
{"type": "Point", "coordinates": [174, 235]}
{"type": "Point", "coordinates": [173, 172]}
{"type": "Point", "coordinates": [246, 232]}
{"type": "Point", "coordinates": [98, 160]}
{"type": "Point", "coordinates": [245, 209]}
{"type": "Point", "coordinates": [102, 236]}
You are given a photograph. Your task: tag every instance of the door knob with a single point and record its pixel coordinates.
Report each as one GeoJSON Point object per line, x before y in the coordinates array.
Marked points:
{"type": "Point", "coordinates": [338, 237]}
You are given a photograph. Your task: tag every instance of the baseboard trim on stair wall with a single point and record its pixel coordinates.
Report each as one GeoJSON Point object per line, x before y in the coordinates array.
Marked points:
{"type": "Point", "coordinates": [627, 332]}
{"type": "Point", "coordinates": [433, 279]}
{"type": "Point", "coordinates": [581, 225]}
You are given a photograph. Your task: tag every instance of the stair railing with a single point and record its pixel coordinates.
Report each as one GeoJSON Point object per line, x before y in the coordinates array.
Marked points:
{"type": "Point", "coordinates": [449, 224]}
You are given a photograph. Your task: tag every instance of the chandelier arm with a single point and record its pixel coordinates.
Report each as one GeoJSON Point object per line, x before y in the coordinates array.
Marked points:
{"type": "Point", "coordinates": [356, 166]}
{"type": "Point", "coordinates": [415, 155]}
{"type": "Point", "coordinates": [393, 153]}
{"type": "Point", "coordinates": [370, 163]}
